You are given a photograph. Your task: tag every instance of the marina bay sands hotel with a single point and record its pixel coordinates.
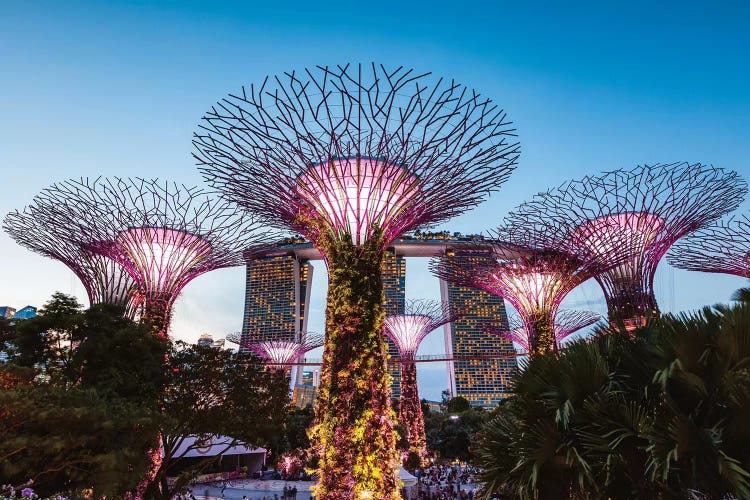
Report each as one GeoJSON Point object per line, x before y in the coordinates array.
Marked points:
{"type": "Point", "coordinates": [277, 303]}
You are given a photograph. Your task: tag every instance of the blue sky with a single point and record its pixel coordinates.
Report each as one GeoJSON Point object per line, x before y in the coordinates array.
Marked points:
{"type": "Point", "coordinates": [117, 88]}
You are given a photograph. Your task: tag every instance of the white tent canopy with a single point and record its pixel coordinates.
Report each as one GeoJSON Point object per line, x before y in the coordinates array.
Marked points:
{"type": "Point", "coordinates": [406, 478]}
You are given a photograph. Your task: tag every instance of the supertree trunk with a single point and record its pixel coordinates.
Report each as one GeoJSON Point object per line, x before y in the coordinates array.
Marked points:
{"type": "Point", "coordinates": [354, 429]}
{"type": "Point", "coordinates": [410, 411]}
{"type": "Point", "coordinates": [632, 302]}
{"type": "Point", "coordinates": [157, 314]}
{"type": "Point", "coordinates": [541, 333]}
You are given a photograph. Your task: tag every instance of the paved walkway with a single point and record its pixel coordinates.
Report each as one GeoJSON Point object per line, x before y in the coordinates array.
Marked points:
{"type": "Point", "coordinates": [254, 489]}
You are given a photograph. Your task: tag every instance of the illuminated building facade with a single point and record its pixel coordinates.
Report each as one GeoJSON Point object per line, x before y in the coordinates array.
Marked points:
{"type": "Point", "coordinates": [394, 285]}
{"type": "Point", "coordinates": [483, 382]}
{"type": "Point", "coordinates": [276, 298]}
{"type": "Point", "coordinates": [275, 276]}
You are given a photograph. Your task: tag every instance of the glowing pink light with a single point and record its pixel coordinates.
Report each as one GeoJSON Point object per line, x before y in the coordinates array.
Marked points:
{"type": "Point", "coordinates": [162, 260]}
{"type": "Point", "coordinates": [408, 331]}
{"type": "Point", "coordinates": [532, 283]}
{"type": "Point", "coordinates": [355, 195]}
{"type": "Point", "coordinates": [531, 290]}
{"type": "Point", "coordinates": [625, 238]}
{"type": "Point", "coordinates": [279, 352]}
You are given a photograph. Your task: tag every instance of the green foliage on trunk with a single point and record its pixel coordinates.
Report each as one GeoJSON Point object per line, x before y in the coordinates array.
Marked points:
{"type": "Point", "coordinates": [354, 433]}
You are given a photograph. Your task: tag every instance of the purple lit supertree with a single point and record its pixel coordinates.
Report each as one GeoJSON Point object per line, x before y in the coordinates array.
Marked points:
{"type": "Point", "coordinates": [351, 157]}
{"type": "Point", "coordinates": [630, 218]}
{"type": "Point", "coordinates": [722, 247]}
{"type": "Point", "coordinates": [278, 354]}
{"type": "Point", "coordinates": [407, 331]}
{"type": "Point", "coordinates": [525, 266]}
{"type": "Point", "coordinates": [162, 234]}
{"type": "Point", "coordinates": [566, 322]}
{"type": "Point", "coordinates": [46, 233]}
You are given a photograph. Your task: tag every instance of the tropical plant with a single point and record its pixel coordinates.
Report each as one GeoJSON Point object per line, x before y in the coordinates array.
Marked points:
{"type": "Point", "coordinates": [662, 414]}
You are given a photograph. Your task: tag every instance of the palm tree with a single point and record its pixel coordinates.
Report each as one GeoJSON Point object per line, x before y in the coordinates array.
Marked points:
{"type": "Point", "coordinates": [662, 414]}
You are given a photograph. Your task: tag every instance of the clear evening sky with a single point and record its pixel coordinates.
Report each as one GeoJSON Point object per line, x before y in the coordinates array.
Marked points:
{"type": "Point", "coordinates": [117, 88]}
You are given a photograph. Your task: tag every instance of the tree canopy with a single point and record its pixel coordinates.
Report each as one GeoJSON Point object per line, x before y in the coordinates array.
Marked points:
{"type": "Point", "coordinates": [662, 414]}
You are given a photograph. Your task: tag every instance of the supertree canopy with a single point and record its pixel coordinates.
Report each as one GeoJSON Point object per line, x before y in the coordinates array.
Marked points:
{"type": "Point", "coordinates": [722, 247]}
{"type": "Point", "coordinates": [163, 234]}
{"type": "Point", "coordinates": [279, 353]}
{"type": "Point", "coordinates": [566, 321]}
{"type": "Point", "coordinates": [351, 157]}
{"type": "Point", "coordinates": [44, 232]}
{"type": "Point", "coordinates": [630, 218]}
{"type": "Point", "coordinates": [407, 331]}
{"type": "Point", "coordinates": [526, 267]}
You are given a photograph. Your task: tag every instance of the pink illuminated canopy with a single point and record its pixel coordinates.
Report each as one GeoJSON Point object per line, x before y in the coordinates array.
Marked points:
{"type": "Point", "coordinates": [421, 317]}
{"type": "Point", "coordinates": [160, 259]}
{"type": "Point", "coordinates": [408, 331]}
{"type": "Point", "coordinates": [625, 234]}
{"type": "Point", "coordinates": [354, 195]}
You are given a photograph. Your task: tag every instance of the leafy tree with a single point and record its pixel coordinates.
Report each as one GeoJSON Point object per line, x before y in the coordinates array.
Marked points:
{"type": "Point", "coordinates": [48, 339]}
{"type": "Point", "coordinates": [660, 415]}
{"type": "Point", "coordinates": [451, 432]}
{"type": "Point", "coordinates": [297, 424]}
{"type": "Point", "coordinates": [216, 392]}
{"type": "Point", "coordinates": [78, 399]}
{"type": "Point", "coordinates": [68, 439]}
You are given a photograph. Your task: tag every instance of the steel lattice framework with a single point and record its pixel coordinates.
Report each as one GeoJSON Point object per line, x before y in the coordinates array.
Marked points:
{"type": "Point", "coordinates": [527, 267]}
{"type": "Point", "coordinates": [279, 353]}
{"type": "Point", "coordinates": [356, 148]}
{"type": "Point", "coordinates": [630, 218]}
{"type": "Point", "coordinates": [42, 231]}
{"type": "Point", "coordinates": [722, 247]}
{"type": "Point", "coordinates": [567, 322]}
{"type": "Point", "coordinates": [407, 331]}
{"type": "Point", "coordinates": [420, 318]}
{"type": "Point", "coordinates": [162, 233]}
{"type": "Point", "coordinates": [351, 157]}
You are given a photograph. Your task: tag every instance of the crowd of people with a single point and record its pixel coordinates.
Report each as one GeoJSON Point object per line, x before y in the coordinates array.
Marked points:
{"type": "Point", "coordinates": [446, 482]}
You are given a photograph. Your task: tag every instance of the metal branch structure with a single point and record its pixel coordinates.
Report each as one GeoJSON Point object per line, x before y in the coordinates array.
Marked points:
{"type": "Point", "coordinates": [407, 331]}
{"type": "Point", "coordinates": [630, 218]}
{"type": "Point", "coordinates": [722, 247]}
{"type": "Point", "coordinates": [279, 354]}
{"type": "Point", "coordinates": [351, 157]}
{"type": "Point", "coordinates": [566, 321]}
{"type": "Point", "coordinates": [162, 234]}
{"type": "Point", "coordinates": [46, 233]}
{"type": "Point", "coordinates": [528, 268]}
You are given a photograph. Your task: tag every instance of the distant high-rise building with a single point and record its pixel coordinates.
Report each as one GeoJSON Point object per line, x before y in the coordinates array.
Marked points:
{"type": "Point", "coordinates": [25, 313]}
{"type": "Point", "coordinates": [276, 298]}
{"type": "Point", "coordinates": [482, 381]}
{"type": "Point", "coordinates": [7, 311]}
{"type": "Point", "coordinates": [394, 286]}
{"type": "Point", "coordinates": [205, 340]}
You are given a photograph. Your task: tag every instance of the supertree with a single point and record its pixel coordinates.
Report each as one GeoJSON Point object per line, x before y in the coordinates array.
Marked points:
{"type": "Point", "coordinates": [49, 234]}
{"type": "Point", "coordinates": [407, 331]}
{"type": "Point", "coordinates": [566, 321]}
{"type": "Point", "coordinates": [630, 218]}
{"type": "Point", "coordinates": [721, 247]}
{"type": "Point", "coordinates": [523, 264]}
{"type": "Point", "coordinates": [351, 157]}
{"type": "Point", "coordinates": [163, 234]}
